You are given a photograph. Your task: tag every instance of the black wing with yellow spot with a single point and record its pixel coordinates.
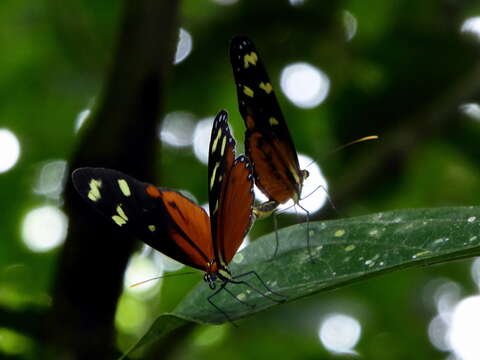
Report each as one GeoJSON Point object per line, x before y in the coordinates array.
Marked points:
{"type": "Point", "coordinates": [164, 219]}
{"type": "Point", "coordinates": [221, 155]}
{"type": "Point", "coordinates": [230, 188]}
{"type": "Point", "coordinates": [257, 102]}
{"type": "Point", "coordinates": [268, 142]}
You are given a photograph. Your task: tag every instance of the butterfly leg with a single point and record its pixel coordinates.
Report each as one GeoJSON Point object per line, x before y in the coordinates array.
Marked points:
{"type": "Point", "coordinates": [277, 241]}
{"type": "Point", "coordinates": [240, 301]}
{"type": "Point", "coordinates": [222, 287]}
{"type": "Point", "coordinates": [263, 211]}
{"type": "Point", "coordinates": [253, 272]}
{"type": "Point", "coordinates": [307, 215]}
{"type": "Point", "coordinates": [330, 201]}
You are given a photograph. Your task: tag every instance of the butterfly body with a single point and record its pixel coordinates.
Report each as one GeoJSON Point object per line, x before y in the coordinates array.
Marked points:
{"type": "Point", "coordinates": [268, 142]}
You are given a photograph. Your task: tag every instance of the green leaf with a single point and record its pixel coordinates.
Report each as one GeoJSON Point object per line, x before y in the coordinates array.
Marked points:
{"type": "Point", "coordinates": [343, 251]}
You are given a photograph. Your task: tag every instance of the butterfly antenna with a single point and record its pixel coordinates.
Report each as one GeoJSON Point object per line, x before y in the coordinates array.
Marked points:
{"type": "Point", "coordinates": [341, 147]}
{"type": "Point", "coordinates": [160, 277]}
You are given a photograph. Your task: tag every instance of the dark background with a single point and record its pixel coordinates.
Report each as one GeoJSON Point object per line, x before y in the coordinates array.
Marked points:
{"type": "Point", "coordinates": [406, 75]}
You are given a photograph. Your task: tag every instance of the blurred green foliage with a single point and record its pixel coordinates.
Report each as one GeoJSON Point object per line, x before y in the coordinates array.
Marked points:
{"type": "Point", "coordinates": [403, 76]}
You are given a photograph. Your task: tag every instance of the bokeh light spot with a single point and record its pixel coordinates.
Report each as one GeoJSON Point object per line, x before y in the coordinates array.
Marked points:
{"type": "Point", "coordinates": [471, 110]}
{"type": "Point", "coordinates": [465, 327]}
{"type": "Point", "coordinates": [211, 335]}
{"type": "Point", "coordinates": [81, 118]}
{"type": "Point", "coordinates": [296, 2]}
{"type": "Point", "coordinates": [475, 271]}
{"type": "Point", "coordinates": [177, 129]}
{"type": "Point", "coordinates": [446, 297]}
{"type": "Point", "coordinates": [350, 24]}
{"type": "Point", "coordinates": [131, 314]}
{"type": "Point", "coordinates": [206, 207]}
{"type": "Point", "coordinates": [225, 2]}
{"type": "Point", "coordinates": [9, 150]}
{"type": "Point", "coordinates": [201, 139]}
{"type": "Point", "coordinates": [51, 179]}
{"type": "Point", "coordinates": [245, 243]}
{"type": "Point", "coordinates": [44, 228]}
{"type": "Point", "coordinates": [184, 46]}
{"type": "Point", "coordinates": [340, 333]}
{"type": "Point", "coordinates": [437, 333]}
{"type": "Point", "coordinates": [471, 26]}
{"type": "Point", "coordinates": [13, 343]}
{"type": "Point", "coordinates": [304, 85]}
{"type": "Point", "coordinates": [141, 268]}
{"type": "Point", "coordinates": [166, 263]}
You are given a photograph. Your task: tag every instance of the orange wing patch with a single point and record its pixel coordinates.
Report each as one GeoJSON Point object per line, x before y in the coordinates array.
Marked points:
{"type": "Point", "coordinates": [192, 233]}
{"type": "Point", "coordinates": [274, 168]}
{"type": "Point", "coordinates": [235, 210]}
{"type": "Point", "coordinates": [153, 191]}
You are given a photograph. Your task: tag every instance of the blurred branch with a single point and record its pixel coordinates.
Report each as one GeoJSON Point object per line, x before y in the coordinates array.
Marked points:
{"type": "Point", "coordinates": [364, 174]}
{"type": "Point", "coordinates": [121, 135]}
{"type": "Point", "coordinates": [27, 321]}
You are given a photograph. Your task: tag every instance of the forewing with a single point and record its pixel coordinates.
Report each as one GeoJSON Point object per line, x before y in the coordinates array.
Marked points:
{"type": "Point", "coordinates": [164, 219]}
{"type": "Point", "coordinates": [257, 102]}
{"type": "Point", "coordinates": [221, 156]}
{"type": "Point", "coordinates": [235, 209]}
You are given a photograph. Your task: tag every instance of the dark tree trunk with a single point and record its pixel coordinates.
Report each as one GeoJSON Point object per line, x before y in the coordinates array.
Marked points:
{"type": "Point", "coordinates": [121, 134]}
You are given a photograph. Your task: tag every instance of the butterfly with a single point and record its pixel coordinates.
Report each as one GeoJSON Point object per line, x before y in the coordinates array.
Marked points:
{"type": "Point", "coordinates": [268, 142]}
{"type": "Point", "coordinates": [171, 223]}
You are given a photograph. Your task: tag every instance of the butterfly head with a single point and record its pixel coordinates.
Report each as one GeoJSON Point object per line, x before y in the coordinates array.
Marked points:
{"type": "Point", "coordinates": [215, 273]}
{"type": "Point", "coordinates": [210, 278]}
{"type": "Point", "coordinates": [303, 175]}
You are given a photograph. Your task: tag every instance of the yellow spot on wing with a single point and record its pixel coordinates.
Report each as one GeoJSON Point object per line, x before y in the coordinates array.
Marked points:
{"type": "Point", "coordinates": [267, 87]}
{"type": "Point", "coordinates": [250, 59]}
{"type": "Point", "coordinates": [120, 219]}
{"type": "Point", "coordinates": [121, 212]}
{"type": "Point", "coordinates": [224, 143]}
{"type": "Point", "coordinates": [273, 121]}
{"type": "Point", "coordinates": [216, 207]}
{"type": "Point", "coordinates": [224, 273]}
{"type": "Point", "coordinates": [94, 193]}
{"type": "Point", "coordinates": [215, 142]}
{"type": "Point", "coordinates": [295, 175]}
{"type": "Point", "coordinates": [214, 172]}
{"type": "Point", "coordinates": [151, 228]}
{"type": "Point", "coordinates": [122, 183]}
{"type": "Point", "coordinates": [247, 91]}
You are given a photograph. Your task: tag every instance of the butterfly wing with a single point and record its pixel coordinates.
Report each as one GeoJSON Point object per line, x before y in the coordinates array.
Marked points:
{"type": "Point", "coordinates": [235, 210]}
{"type": "Point", "coordinates": [164, 219]}
{"type": "Point", "coordinates": [230, 192]}
{"type": "Point", "coordinates": [221, 158]}
{"type": "Point", "coordinates": [268, 142]}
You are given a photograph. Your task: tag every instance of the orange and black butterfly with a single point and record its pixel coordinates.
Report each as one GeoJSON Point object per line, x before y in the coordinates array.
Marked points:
{"type": "Point", "coordinates": [268, 142]}
{"type": "Point", "coordinates": [174, 225]}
